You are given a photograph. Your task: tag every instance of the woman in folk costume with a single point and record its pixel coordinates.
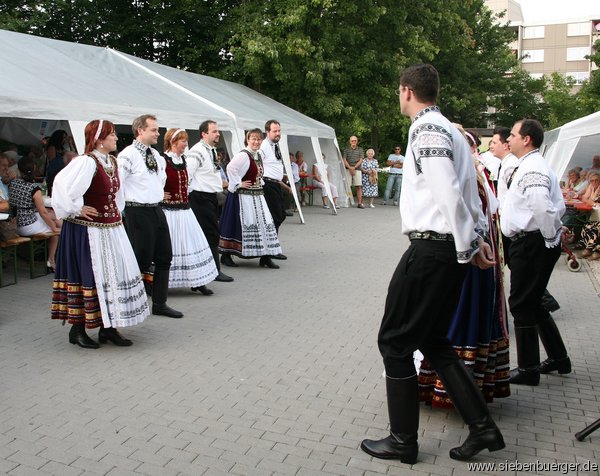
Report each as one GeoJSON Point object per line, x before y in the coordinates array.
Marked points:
{"type": "Point", "coordinates": [192, 264]}
{"type": "Point", "coordinates": [97, 280]}
{"type": "Point", "coordinates": [247, 228]}
{"type": "Point", "coordinates": [479, 329]}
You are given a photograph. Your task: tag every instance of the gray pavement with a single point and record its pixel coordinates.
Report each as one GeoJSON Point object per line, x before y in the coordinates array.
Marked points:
{"type": "Point", "coordinates": [277, 373]}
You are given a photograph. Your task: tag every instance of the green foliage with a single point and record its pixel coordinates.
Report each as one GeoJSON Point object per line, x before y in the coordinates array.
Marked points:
{"type": "Point", "coordinates": [562, 104]}
{"type": "Point", "coordinates": [589, 94]}
{"type": "Point", "coordinates": [334, 60]}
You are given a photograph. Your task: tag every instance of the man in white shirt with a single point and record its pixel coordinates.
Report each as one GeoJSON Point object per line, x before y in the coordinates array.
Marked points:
{"type": "Point", "coordinates": [442, 216]}
{"type": "Point", "coordinates": [531, 212]}
{"type": "Point", "coordinates": [499, 147]}
{"type": "Point", "coordinates": [205, 182]}
{"type": "Point", "coordinates": [395, 162]}
{"type": "Point", "coordinates": [142, 173]}
{"type": "Point", "coordinates": [273, 175]}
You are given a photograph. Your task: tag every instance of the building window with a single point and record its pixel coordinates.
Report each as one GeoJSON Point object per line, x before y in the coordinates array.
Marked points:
{"type": "Point", "coordinates": [532, 32]}
{"type": "Point", "coordinates": [578, 29]}
{"type": "Point", "coordinates": [533, 56]}
{"type": "Point", "coordinates": [577, 53]}
{"type": "Point", "coordinates": [536, 75]}
{"type": "Point", "coordinates": [579, 76]}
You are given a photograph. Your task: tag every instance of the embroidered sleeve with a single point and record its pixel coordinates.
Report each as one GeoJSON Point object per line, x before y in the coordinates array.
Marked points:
{"type": "Point", "coordinates": [535, 187]}
{"type": "Point", "coordinates": [435, 160]}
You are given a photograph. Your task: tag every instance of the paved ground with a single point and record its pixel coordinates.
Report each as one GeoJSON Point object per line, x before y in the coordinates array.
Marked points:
{"type": "Point", "coordinates": [277, 373]}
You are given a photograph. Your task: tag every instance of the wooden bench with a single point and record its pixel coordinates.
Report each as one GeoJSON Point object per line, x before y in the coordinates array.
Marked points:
{"type": "Point", "coordinates": [8, 250]}
{"type": "Point", "coordinates": [309, 191]}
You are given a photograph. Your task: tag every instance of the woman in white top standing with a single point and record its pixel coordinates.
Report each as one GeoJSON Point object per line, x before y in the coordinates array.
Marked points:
{"type": "Point", "coordinates": [192, 265]}
{"type": "Point", "coordinates": [247, 228]}
{"type": "Point", "coordinates": [97, 281]}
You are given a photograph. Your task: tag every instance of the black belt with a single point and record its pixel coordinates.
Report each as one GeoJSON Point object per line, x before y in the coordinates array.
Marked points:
{"type": "Point", "coordinates": [430, 235]}
{"type": "Point", "coordinates": [523, 234]}
{"type": "Point", "coordinates": [137, 204]}
{"type": "Point", "coordinates": [269, 179]}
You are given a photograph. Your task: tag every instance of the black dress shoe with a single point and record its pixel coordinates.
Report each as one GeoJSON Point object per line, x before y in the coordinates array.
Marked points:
{"type": "Point", "coordinates": [78, 336]}
{"type": "Point", "coordinates": [289, 214]}
{"type": "Point", "coordinates": [111, 334]}
{"type": "Point", "coordinates": [550, 365]}
{"type": "Point", "coordinates": [279, 256]}
{"type": "Point", "coordinates": [223, 278]}
{"type": "Point", "coordinates": [204, 290]}
{"type": "Point", "coordinates": [227, 260]}
{"type": "Point", "coordinates": [520, 376]}
{"type": "Point", "coordinates": [164, 310]}
{"type": "Point", "coordinates": [267, 262]}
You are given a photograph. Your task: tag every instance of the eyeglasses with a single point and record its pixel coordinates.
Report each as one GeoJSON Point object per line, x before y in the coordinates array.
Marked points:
{"type": "Point", "coordinates": [399, 90]}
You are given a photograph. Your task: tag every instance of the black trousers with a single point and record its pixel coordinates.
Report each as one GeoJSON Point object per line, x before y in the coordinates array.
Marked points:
{"type": "Point", "coordinates": [148, 233]}
{"type": "Point", "coordinates": [422, 297]}
{"type": "Point", "coordinates": [531, 265]}
{"type": "Point", "coordinates": [275, 201]}
{"type": "Point", "coordinates": [205, 206]}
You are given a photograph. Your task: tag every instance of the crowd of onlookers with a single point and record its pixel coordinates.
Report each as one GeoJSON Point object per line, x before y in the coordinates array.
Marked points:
{"type": "Point", "coordinates": [582, 186]}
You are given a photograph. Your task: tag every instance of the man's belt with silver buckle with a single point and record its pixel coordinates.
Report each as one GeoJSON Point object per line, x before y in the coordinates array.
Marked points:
{"type": "Point", "coordinates": [269, 179]}
{"type": "Point", "coordinates": [138, 204]}
{"type": "Point", "coordinates": [430, 235]}
{"type": "Point", "coordinates": [523, 234]}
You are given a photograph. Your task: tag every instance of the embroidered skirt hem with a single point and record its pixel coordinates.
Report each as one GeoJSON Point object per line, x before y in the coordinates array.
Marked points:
{"type": "Point", "coordinates": [193, 263]}
{"type": "Point", "coordinates": [97, 279]}
{"type": "Point", "coordinates": [247, 227]}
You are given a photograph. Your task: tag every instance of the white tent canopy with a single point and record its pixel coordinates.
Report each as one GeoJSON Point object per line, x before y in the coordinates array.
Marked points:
{"type": "Point", "coordinates": [47, 80]}
{"type": "Point", "coordinates": [573, 144]}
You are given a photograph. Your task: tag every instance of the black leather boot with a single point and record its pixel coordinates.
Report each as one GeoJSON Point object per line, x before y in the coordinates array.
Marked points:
{"type": "Point", "coordinates": [555, 348]}
{"type": "Point", "coordinates": [469, 401]}
{"type": "Point", "coordinates": [160, 288]}
{"type": "Point", "coordinates": [77, 335]}
{"type": "Point", "coordinates": [267, 262]}
{"type": "Point", "coordinates": [528, 357]}
{"type": "Point", "coordinates": [227, 260]}
{"type": "Point", "coordinates": [403, 410]}
{"type": "Point", "coordinates": [111, 334]}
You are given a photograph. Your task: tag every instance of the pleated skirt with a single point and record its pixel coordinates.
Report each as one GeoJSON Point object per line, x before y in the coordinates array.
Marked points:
{"type": "Point", "coordinates": [97, 280]}
{"type": "Point", "coordinates": [247, 228]}
{"type": "Point", "coordinates": [192, 264]}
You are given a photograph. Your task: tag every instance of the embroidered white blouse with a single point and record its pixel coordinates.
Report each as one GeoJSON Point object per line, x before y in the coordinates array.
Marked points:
{"type": "Point", "coordinates": [533, 201]}
{"type": "Point", "coordinates": [73, 181]}
{"type": "Point", "coordinates": [439, 188]}
{"type": "Point", "coordinates": [139, 184]}
{"type": "Point", "coordinates": [203, 174]}
{"type": "Point", "coordinates": [273, 166]}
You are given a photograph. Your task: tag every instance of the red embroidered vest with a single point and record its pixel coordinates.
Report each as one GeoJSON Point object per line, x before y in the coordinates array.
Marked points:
{"type": "Point", "coordinates": [102, 194]}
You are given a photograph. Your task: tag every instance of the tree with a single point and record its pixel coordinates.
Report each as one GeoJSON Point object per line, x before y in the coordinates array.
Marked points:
{"type": "Point", "coordinates": [520, 97]}
{"type": "Point", "coordinates": [589, 94]}
{"type": "Point", "coordinates": [561, 104]}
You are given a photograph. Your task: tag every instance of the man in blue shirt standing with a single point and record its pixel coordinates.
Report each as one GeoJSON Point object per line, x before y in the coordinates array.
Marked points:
{"type": "Point", "coordinates": [395, 162]}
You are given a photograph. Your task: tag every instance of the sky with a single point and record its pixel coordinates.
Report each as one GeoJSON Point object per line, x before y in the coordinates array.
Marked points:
{"type": "Point", "coordinates": [559, 10]}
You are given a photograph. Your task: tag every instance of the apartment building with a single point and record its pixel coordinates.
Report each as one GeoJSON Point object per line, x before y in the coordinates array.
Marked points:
{"type": "Point", "coordinates": [546, 45]}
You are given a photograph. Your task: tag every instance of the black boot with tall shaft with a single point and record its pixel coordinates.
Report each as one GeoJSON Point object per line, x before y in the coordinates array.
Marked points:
{"type": "Point", "coordinates": [558, 358]}
{"type": "Point", "coordinates": [160, 289]}
{"type": "Point", "coordinates": [403, 410]}
{"type": "Point", "coordinates": [469, 401]}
